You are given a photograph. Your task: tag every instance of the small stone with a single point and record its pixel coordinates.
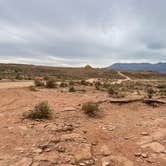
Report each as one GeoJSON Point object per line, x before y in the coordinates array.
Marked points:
{"type": "Point", "coordinates": [37, 150]}
{"type": "Point", "coordinates": [61, 149]}
{"type": "Point", "coordinates": [144, 155]}
{"type": "Point", "coordinates": [105, 151]}
{"type": "Point", "coordinates": [24, 162]}
{"type": "Point", "coordinates": [155, 146]}
{"type": "Point", "coordinates": [82, 152]}
{"type": "Point", "coordinates": [69, 109]}
{"type": "Point", "coordinates": [150, 160]}
{"type": "Point", "coordinates": [137, 154]}
{"type": "Point", "coordinates": [144, 133]}
{"type": "Point", "coordinates": [105, 163]}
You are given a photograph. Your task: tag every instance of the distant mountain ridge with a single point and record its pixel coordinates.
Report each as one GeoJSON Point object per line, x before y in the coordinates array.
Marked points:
{"type": "Point", "coordinates": [158, 67]}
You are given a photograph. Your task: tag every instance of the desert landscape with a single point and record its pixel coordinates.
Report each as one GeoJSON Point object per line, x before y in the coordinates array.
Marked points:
{"type": "Point", "coordinates": [116, 119]}
{"type": "Point", "coordinates": [82, 83]}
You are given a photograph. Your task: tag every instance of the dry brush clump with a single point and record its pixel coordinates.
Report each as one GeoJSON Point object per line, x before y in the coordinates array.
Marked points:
{"type": "Point", "coordinates": [40, 111]}
{"type": "Point", "coordinates": [90, 108]}
{"type": "Point", "coordinates": [32, 88]}
{"type": "Point", "coordinates": [63, 84]}
{"type": "Point", "coordinates": [72, 89]}
{"type": "Point", "coordinates": [115, 91]}
{"type": "Point", "coordinates": [51, 83]}
{"type": "Point", "coordinates": [150, 92]}
{"type": "Point", "coordinates": [38, 83]}
{"type": "Point", "coordinates": [97, 85]}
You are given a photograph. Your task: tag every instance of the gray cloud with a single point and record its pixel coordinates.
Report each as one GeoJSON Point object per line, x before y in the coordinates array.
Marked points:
{"type": "Point", "coordinates": [77, 32]}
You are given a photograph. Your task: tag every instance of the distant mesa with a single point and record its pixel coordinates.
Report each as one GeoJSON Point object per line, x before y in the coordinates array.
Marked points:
{"type": "Point", "coordinates": [158, 67]}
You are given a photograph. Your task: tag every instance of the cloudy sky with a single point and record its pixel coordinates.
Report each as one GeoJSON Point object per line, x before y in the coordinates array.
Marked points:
{"type": "Point", "coordinates": [79, 32]}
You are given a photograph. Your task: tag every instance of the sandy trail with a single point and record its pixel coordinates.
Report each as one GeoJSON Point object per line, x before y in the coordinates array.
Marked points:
{"type": "Point", "coordinates": [16, 84]}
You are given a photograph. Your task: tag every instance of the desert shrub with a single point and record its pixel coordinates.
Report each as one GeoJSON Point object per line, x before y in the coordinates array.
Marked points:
{"type": "Point", "coordinates": [71, 83]}
{"type": "Point", "coordinates": [72, 89]}
{"type": "Point", "coordinates": [51, 83]}
{"type": "Point", "coordinates": [90, 108]}
{"type": "Point", "coordinates": [40, 111]}
{"type": "Point", "coordinates": [97, 85]}
{"type": "Point", "coordinates": [161, 86]}
{"type": "Point", "coordinates": [46, 78]}
{"type": "Point", "coordinates": [32, 88]}
{"type": "Point", "coordinates": [18, 77]}
{"type": "Point", "coordinates": [115, 91]}
{"type": "Point", "coordinates": [106, 85]}
{"type": "Point", "coordinates": [38, 82]}
{"type": "Point", "coordinates": [63, 84]}
{"type": "Point", "coordinates": [150, 92]}
{"type": "Point", "coordinates": [83, 82]}
{"type": "Point", "coordinates": [112, 91]}
{"type": "Point", "coordinates": [162, 92]}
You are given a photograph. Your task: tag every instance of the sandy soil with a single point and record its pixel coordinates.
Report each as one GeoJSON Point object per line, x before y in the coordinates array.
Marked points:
{"type": "Point", "coordinates": [122, 135]}
{"type": "Point", "coordinates": [15, 84]}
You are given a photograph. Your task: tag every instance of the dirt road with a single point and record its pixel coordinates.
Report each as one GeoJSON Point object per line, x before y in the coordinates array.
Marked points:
{"type": "Point", "coordinates": [15, 84]}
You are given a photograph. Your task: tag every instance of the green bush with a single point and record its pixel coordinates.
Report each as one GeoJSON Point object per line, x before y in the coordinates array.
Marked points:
{"type": "Point", "coordinates": [90, 108]}
{"type": "Point", "coordinates": [40, 111]}
{"type": "Point", "coordinates": [38, 82]}
{"type": "Point", "coordinates": [51, 83]}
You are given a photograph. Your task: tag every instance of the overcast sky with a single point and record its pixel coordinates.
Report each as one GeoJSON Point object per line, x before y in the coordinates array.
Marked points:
{"type": "Point", "coordinates": [79, 32]}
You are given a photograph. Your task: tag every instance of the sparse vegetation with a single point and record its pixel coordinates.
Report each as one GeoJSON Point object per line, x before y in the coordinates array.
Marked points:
{"type": "Point", "coordinates": [90, 108]}
{"type": "Point", "coordinates": [38, 82]}
{"type": "Point", "coordinates": [51, 83]}
{"type": "Point", "coordinates": [83, 82]}
{"type": "Point", "coordinates": [71, 83]}
{"type": "Point", "coordinates": [63, 85]}
{"type": "Point", "coordinates": [150, 92]}
{"type": "Point", "coordinates": [40, 111]}
{"type": "Point", "coordinates": [72, 89]}
{"type": "Point", "coordinates": [97, 85]}
{"type": "Point", "coordinates": [32, 88]}
{"type": "Point", "coordinates": [18, 77]}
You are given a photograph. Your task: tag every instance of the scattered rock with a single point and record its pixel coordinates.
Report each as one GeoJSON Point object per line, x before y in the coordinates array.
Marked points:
{"type": "Point", "coordinates": [144, 155]}
{"type": "Point", "coordinates": [72, 137]}
{"type": "Point", "coordinates": [155, 146]}
{"type": "Point", "coordinates": [24, 162]}
{"type": "Point", "coordinates": [144, 133]}
{"type": "Point", "coordinates": [116, 160]}
{"type": "Point", "coordinates": [69, 109]}
{"type": "Point", "coordinates": [37, 150]}
{"type": "Point", "coordinates": [82, 152]}
{"type": "Point", "coordinates": [51, 156]}
{"type": "Point", "coordinates": [105, 151]}
{"type": "Point", "coordinates": [137, 154]}
{"type": "Point", "coordinates": [108, 127]}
